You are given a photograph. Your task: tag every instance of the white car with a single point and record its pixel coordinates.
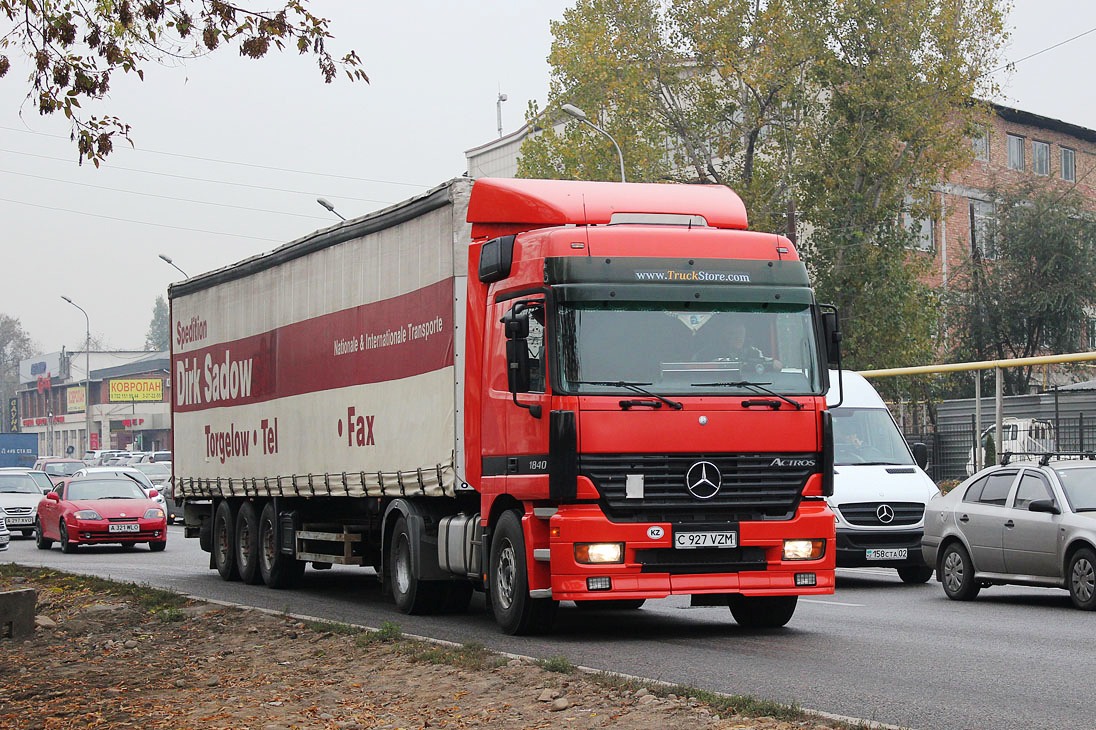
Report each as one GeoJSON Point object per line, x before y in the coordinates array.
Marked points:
{"type": "Point", "coordinates": [126, 471]}
{"type": "Point", "coordinates": [19, 496]}
{"type": "Point", "coordinates": [5, 536]}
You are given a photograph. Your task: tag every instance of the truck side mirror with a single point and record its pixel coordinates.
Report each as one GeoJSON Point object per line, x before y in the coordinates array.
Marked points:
{"type": "Point", "coordinates": [516, 325]}
{"type": "Point", "coordinates": [831, 329]}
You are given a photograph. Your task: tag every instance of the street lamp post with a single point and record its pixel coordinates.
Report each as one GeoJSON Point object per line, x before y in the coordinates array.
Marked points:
{"type": "Point", "coordinates": [327, 204]}
{"type": "Point", "coordinates": [172, 263]}
{"type": "Point", "coordinates": [87, 373]}
{"type": "Point", "coordinates": [574, 111]}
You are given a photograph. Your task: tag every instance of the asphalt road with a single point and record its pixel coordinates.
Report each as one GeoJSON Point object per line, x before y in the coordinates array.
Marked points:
{"type": "Point", "coordinates": [877, 649]}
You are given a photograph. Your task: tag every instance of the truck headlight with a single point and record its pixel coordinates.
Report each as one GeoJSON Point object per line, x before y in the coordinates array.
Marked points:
{"type": "Point", "coordinates": [804, 549]}
{"type": "Point", "coordinates": [599, 552]}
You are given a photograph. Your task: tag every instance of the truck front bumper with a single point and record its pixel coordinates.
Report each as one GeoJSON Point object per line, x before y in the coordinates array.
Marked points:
{"type": "Point", "coordinates": [652, 567]}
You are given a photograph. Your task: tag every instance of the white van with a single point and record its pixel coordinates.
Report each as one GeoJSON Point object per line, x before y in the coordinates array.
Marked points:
{"type": "Point", "coordinates": [880, 489]}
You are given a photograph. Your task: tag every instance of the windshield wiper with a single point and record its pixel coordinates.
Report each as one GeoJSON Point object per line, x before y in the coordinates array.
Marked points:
{"type": "Point", "coordinates": [758, 387]}
{"type": "Point", "coordinates": [635, 387]}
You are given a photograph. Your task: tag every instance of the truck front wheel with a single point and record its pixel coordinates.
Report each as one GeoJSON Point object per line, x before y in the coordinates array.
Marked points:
{"type": "Point", "coordinates": [277, 569]}
{"type": "Point", "coordinates": [515, 611]}
{"type": "Point", "coordinates": [224, 541]}
{"type": "Point", "coordinates": [412, 595]}
{"type": "Point", "coordinates": [763, 612]}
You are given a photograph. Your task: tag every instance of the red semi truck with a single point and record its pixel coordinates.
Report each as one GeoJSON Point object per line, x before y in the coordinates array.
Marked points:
{"type": "Point", "coordinates": [538, 389]}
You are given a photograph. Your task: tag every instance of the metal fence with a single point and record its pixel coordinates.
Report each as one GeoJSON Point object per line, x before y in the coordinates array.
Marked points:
{"type": "Point", "coordinates": [951, 446]}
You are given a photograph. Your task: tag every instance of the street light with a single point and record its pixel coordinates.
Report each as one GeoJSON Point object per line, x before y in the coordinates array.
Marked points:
{"type": "Point", "coordinates": [325, 203]}
{"type": "Point", "coordinates": [168, 260]}
{"type": "Point", "coordinates": [87, 371]}
{"type": "Point", "coordinates": [574, 111]}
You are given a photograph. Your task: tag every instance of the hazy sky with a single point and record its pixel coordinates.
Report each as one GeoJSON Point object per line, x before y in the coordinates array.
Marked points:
{"type": "Point", "coordinates": [231, 154]}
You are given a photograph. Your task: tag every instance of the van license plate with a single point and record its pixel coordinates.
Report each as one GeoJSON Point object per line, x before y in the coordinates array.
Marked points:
{"type": "Point", "coordinates": [130, 527]}
{"type": "Point", "coordinates": [694, 540]}
{"type": "Point", "coordinates": [886, 554]}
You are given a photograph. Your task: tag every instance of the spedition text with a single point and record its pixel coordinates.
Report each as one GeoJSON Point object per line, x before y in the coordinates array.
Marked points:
{"type": "Point", "coordinates": [212, 381]}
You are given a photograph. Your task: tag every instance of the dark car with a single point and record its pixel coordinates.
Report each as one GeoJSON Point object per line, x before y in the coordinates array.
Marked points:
{"type": "Point", "coordinates": [1029, 523]}
{"type": "Point", "coordinates": [99, 509]}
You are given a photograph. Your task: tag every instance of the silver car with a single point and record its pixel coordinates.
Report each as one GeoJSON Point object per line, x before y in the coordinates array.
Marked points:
{"type": "Point", "coordinates": [1030, 523]}
{"type": "Point", "coordinates": [19, 496]}
{"type": "Point", "coordinates": [5, 535]}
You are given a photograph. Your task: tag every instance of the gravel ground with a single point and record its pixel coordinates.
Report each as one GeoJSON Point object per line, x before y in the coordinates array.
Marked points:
{"type": "Point", "coordinates": [109, 655]}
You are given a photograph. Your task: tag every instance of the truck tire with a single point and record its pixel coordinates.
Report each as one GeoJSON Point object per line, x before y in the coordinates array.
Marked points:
{"type": "Point", "coordinates": [515, 611]}
{"type": "Point", "coordinates": [224, 541]}
{"type": "Point", "coordinates": [277, 569]}
{"type": "Point", "coordinates": [247, 544]}
{"type": "Point", "coordinates": [412, 595]}
{"type": "Point", "coordinates": [763, 612]}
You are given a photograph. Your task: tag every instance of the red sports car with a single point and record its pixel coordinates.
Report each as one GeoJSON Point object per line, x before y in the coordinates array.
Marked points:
{"type": "Point", "coordinates": [94, 510]}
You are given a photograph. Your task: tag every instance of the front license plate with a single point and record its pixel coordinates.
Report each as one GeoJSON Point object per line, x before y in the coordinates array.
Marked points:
{"type": "Point", "coordinates": [125, 527]}
{"type": "Point", "coordinates": [886, 554]}
{"type": "Point", "coordinates": [694, 540]}
{"type": "Point", "coordinates": [20, 520]}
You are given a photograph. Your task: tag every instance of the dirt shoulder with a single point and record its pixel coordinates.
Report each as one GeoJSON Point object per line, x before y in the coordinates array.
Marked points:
{"type": "Point", "coordinates": [111, 655]}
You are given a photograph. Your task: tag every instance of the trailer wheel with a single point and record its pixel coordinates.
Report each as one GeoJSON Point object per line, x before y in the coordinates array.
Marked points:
{"type": "Point", "coordinates": [515, 611]}
{"type": "Point", "coordinates": [224, 541]}
{"type": "Point", "coordinates": [247, 544]}
{"type": "Point", "coordinates": [412, 595]}
{"type": "Point", "coordinates": [763, 612]}
{"type": "Point", "coordinates": [277, 569]}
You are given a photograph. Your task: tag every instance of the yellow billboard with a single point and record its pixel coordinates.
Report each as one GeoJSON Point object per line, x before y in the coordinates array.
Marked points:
{"type": "Point", "coordinates": [128, 390]}
{"type": "Point", "coordinates": [77, 399]}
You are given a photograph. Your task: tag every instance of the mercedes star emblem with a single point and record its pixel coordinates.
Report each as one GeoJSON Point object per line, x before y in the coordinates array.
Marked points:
{"type": "Point", "coordinates": [885, 513]}
{"type": "Point", "coordinates": [703, 479]}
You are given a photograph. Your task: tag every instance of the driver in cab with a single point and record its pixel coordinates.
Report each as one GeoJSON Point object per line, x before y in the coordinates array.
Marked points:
{"type": "Point", "coordinates": [735, 349]}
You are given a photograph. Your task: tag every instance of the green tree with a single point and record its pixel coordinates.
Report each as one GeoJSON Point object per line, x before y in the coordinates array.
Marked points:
{"type": "Point", "coordinates": [1028, 285]}
{"type": "Point", "coordinates": [823, 115]}
{"type": "Point", "coordinates": [15, 345]}
{"type": "Point", "coordinates": [74, 48]}
{"type": "Point", "coordinates": [159, 329]}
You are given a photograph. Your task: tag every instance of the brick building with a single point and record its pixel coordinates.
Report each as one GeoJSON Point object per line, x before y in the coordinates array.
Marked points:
{"type": "Point", "coordinates": [1012, 144]}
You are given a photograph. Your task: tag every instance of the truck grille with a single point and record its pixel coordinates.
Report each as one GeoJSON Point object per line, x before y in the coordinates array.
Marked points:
{"type": "Point", "coordinates": [866, 514]}
{"type": "Point", "coordinates": [752, 486]}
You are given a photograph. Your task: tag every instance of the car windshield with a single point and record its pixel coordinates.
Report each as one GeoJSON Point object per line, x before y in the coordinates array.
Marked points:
{"type": "Point", "coordinates": [130, 473]}
{"type": "Point", "coordinates": [684, 349]}
{"type": "Point", "coordinates": [153, 469]}
{"type": "Point", "coordinates": [41, 479]}
{"type": "Point", "coordinates": [115, 488]}
{"type": "Point", "coordinates": [18, 484]}
{"type": "Point", "coordinates": [1079, 484]}
{"type": "Point", "coordinates": [62, 468]}
{"type": "Point", "coordinates": [867, 436]}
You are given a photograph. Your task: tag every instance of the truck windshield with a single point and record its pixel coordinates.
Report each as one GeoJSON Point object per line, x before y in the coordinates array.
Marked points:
{"type": "Point", "coordinates": [686, 349]}
{"type": "Point", "coordinates": [867, 436]}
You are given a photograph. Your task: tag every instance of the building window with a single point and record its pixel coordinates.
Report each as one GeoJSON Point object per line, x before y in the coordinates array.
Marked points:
{"type": "Point", "coordinates": [1040, 158]}
{"type": "Point", "coordinates": [1069, 164]}
{"type": "Point", "coordinates": [981, 229]}
{"type": "Point", "coordinates": [980, 142]}
{"type": "Point", "coordinates": [921, 229]}
{"type": "Point", "coordinates": [1015, 152]}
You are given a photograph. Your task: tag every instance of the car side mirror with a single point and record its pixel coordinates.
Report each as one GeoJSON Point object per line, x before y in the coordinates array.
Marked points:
{"type": "Point", "coordinates": [153, 494]}
{"type": "Point", "coordinates": [921, 454]}
{"type": "Point", "coordinates": [1044, 505]}
{"type": "Point", "coordinates": [54, 496]}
